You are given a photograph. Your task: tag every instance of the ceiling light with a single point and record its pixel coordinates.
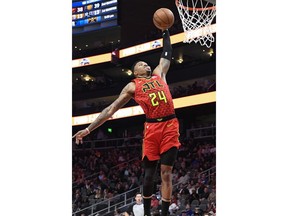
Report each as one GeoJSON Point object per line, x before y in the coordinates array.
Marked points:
{"type": "Point", "coordinates": [180, 60]}
{"type": "Point", "coordinates": [129, 72]}
{"type": "Point", "coordinates": [210, 52]}
{"type": "Point", "coordinates": [87, 78]}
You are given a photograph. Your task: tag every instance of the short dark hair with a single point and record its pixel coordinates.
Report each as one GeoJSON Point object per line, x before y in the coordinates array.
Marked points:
{"type": "Point", "coordinates": [138, 193]}
{"type": "Point", "coordinates": [133, 65]}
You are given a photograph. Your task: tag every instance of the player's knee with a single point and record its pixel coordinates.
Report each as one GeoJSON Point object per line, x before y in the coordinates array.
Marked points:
{"type": "Point", "coordinates": [166, 175]}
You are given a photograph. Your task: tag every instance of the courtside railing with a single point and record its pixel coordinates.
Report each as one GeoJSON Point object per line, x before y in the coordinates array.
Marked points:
{"type": "Point", "coordinates": [108, 206]}
{"type": "Point", "coordinates": [109, 143]}
{"type": "Point", "coordinates": [201, 132]}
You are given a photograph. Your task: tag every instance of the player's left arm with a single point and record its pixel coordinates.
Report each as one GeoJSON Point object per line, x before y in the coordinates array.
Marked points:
{"type": "Point", "coordinates": [165, 60]}
{"type": "Point", "coordinates": [125, 95]}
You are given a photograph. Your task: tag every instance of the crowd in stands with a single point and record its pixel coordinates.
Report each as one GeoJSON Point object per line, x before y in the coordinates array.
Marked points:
{"type": "Point", "coordinates": [99, 82]}
{"type": "Point", "coordinates": [101, 174]}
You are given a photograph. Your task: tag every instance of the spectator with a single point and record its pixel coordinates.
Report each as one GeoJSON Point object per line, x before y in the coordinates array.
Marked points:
{"type": "Point", "coordinates": [198, 212]}
{"type": "Point", "coordinates": [205, 194]}
{"type": "Point", "coordinates": [200, 188]}
{"type": "Point", "coordinates": [212, 196]}
{"type": "Point", "coordinates": [154, 203]}
{"type": "Point", "coordinates": [194, 196]}
{"type": "Point", "coordinates": [133, 184]}
{"type": "Point", "coordinates": [98, 195]}
{"type": "Point", "coordinates": [117, 212]}
{"type": "Point", "coordinates": [187, 212]}
{"type": "Point", "coordinates": [183, 179]}
{"type": "Point", "coordinates": [174, 176]}
{"type": "Point", "coordinates": [137, 208]}
{"type": "Point", "coordinates": [173, 208]}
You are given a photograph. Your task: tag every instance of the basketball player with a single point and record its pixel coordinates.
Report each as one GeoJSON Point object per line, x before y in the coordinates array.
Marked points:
{"type": "Point", "coordinates": [161, 129]}
{"type": "Point", "coordinates": [136, 209]}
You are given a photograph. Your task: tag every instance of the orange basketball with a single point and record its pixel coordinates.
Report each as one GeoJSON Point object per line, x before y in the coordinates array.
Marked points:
{"type": "Point", "coordinates": [163, 18]}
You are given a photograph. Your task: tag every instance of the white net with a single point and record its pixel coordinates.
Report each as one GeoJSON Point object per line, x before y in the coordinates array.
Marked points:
{"type": "Point", "coordinates": [197, 17]}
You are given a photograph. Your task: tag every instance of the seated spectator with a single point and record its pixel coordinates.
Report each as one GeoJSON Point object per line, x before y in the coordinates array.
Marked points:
{"type": "Point", "coordinates": [117, 212]}
{"type": "Point", "coordinates": [187, 212]}
{"type": "Point", "coordinates": [194, 196]}
{"type": "Point", "coordinates": [198, 212]}
{"type": "Point", "coordinates": [98, 194]}
{"type": "Point", "coordinates": [205, 194]}
{"type": "Point", "coordinates": [212, 195]}
{"type": "Point", "coordinates": [183, 178]}
{"type": "Point", "coordinates": [173, 208]}
{"type": "Point", "coordinates": [154, 203]}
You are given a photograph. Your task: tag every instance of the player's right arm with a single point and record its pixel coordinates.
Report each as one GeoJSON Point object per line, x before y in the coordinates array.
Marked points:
{"type": "Point", "coordinates": [125, 95]}
{"type": "Point", "coordinates": [165, 60]}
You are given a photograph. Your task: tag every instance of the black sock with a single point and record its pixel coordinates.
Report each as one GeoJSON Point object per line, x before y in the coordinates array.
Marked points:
{"type": "Point", "coordinates": [164, 208]}
{"type": "Point", "coordinates": [147, 206]}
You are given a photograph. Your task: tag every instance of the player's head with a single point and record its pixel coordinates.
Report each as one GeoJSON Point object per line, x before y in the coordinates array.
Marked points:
{"type": "Point", "coordinates": [141, 69]}
{"type": "Point", "coordinates": [138, 198]}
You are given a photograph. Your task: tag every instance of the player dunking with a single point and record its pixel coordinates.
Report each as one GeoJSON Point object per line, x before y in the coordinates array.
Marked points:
{"type": "Point", "coordinates": [161, 129]}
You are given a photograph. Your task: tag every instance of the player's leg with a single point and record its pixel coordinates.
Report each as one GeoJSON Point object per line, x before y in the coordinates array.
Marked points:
{"type": "Point", "coordinates": [167, 161]}
{"type": "Point", "coordinates": [150, 168]}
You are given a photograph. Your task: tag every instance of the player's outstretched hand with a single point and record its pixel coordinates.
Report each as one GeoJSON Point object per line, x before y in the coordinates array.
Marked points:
{"type": "Point", "coordinates": [79, 136]}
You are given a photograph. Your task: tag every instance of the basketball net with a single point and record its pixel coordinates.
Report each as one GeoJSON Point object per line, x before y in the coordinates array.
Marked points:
{"type": "Point", "coordinates": [197, 17]}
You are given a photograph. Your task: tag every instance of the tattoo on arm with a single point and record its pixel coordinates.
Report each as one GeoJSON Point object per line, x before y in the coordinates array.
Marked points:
{"type": "Point", "coordinates": [123, 98]}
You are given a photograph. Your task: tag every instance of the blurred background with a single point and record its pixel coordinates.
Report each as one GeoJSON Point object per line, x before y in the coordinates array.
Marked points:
{"type": "Point", "coordinates": [107, 168]}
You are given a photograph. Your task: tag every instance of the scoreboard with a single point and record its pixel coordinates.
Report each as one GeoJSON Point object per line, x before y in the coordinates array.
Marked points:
{"type": "Point", "coordinates": [92, 15]}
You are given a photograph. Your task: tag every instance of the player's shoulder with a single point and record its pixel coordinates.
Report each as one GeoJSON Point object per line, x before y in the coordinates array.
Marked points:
{"type": "Point", "coordinates": [129, 88]}
{"type": "Point", "coordinates": [131, 85]}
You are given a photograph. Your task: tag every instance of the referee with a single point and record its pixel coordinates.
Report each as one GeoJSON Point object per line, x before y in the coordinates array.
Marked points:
{"type": "Point", "coordinates": [137, 208]}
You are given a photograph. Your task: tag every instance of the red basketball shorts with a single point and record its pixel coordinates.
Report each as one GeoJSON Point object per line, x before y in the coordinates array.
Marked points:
{"type": "Point", "coordinates": [160, 137]}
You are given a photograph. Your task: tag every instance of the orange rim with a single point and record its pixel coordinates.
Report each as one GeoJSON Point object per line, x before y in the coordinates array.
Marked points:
{"type": "Point", "coordinates": [194, 9]}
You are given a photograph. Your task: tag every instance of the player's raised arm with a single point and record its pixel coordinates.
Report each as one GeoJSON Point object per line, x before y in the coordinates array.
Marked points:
{"type": "Point", "coordinates": [166, 56]}
{"type": "Point", "coordinates": [125, 95]}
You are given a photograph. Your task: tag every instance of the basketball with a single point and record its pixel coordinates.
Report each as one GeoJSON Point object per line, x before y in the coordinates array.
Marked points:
{"type": "Point", "coordinates": [163, 18]}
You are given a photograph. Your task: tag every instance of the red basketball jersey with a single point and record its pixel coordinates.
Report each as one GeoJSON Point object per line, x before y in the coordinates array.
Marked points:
{"type": "Point", "coordinates": [154, 96]}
